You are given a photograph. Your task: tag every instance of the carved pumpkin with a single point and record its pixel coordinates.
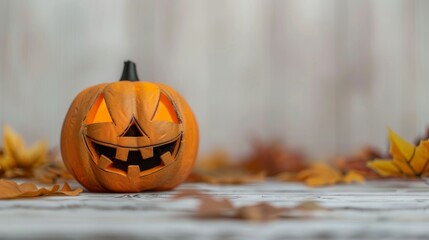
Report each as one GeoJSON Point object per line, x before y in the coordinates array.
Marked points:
{"type": "Point", "coordinates": [129, 136]}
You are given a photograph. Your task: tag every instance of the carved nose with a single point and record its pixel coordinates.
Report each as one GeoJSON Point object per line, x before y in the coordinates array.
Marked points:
{"type": "Point", "coordinates": [133, 130]}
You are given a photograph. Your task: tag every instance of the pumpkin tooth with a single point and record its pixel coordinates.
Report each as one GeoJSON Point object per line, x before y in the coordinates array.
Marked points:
{"type": "Point", "coordinates": [122, 154]}
{"type": "Point", "coordinates": [104, 162]}
{"type": "Point", "coordinates": [146, 152]}
{"type": "Point", "coordinates": [133, 171]}
{"type": "Point", "coordinates": [166, 158]}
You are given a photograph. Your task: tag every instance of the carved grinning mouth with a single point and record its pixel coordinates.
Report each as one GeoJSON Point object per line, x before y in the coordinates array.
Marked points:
{"type": "Point", "coordinates": [136, 160]}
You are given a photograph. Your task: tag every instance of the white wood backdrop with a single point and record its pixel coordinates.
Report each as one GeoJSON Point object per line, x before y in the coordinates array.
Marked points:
{"type": "Point", "coordinates": [326, 76]}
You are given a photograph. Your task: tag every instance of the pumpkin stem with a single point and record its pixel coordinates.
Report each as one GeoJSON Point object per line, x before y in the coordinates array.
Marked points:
{"type": "Point", "coordinates": [130, 72]}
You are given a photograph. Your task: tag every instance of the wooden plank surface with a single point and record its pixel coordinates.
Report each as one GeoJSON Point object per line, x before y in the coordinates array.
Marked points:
{"type": "Point", "coordinates": [375, 210]}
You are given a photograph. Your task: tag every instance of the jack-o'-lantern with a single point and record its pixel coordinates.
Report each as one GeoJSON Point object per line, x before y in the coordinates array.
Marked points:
{"type": "Point", "coordinates": [129, 136]}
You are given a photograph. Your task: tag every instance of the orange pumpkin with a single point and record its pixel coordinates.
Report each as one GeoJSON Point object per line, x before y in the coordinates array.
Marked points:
{"type": "Point", "coordinates": [129, 136]}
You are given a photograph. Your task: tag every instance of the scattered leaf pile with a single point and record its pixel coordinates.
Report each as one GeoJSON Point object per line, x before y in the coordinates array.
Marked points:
{"type": "Point", "coordinates": [10, 190]}
{"type": "Point", "coordinates": [274, 159]}
{"type": "Point", "coordinates": [223, 208]}
{"type": "Point", "coordinates": [35, 162]}
{"type": "Point", "coordinates": [267, 159]}
{"type": "Point", "coordinates": [19, 161]}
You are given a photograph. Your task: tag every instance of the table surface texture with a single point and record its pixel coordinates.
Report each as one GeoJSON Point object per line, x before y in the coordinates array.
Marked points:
{"type": "Point", "coordinates": [374, 210]}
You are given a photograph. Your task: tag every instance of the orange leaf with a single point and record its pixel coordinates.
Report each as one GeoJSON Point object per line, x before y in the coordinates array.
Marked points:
{"type": "Point", "coordinates": [11, 190]}
{"type": "Point", "coordinates": [322, 174]}
{"type": "Point", "coordinates": [353, 177]}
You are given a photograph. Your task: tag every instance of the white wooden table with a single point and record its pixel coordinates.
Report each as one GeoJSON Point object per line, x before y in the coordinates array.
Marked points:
{"type": "Point", "coordinates": [375, 210]}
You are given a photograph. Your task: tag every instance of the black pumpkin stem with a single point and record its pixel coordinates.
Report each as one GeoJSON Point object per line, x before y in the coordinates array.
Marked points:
{"type": "Point", "coordinates": [130, 72]}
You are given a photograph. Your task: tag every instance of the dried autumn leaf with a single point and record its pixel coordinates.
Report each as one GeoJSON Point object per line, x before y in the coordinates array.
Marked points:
{"type": "Point", "coordinates": [322, 174]}
{"type": "Point", "coordinates": [353, 177]}
{"type": "Point", "coordinates": [53, 170]}
{"type": "Point", "coordinates": [273, 158]}
{"type": "Point", "coordinates": [319, 174]}
{"type": "Point", "coordinates": [408, 160]}
{"type": "Point", "coordinates": [218, 168]}
{"type": "Point", "coordinates": [17, 160]}
{"type": "Point", "coordinates": [309, 206]}
{"type": "Point", "coordinates": [259, 212]}
{"type": "Point", "coordinates": [11, 190]}
{"type": "Point", "coordinates": [358, 162]}
{"type": "Point", "coordinates": [211, 207]}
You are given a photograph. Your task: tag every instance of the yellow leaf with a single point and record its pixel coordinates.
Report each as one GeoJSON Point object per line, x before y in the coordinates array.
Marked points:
{"type": "Point", "coordinates": [17, 160]}
{"type": "Point", "coordinates": [400, 148]}
{"type": "Point", "coordinates": [319, 174]}
{"type": "Point", "coordinates": [420, 164]}
{"type": "Point", "coordinates": [408, 160]}
{"type": "Point", "coordinates": [353, 177]}
{"type": "Point", "coordinates": [385, 167]}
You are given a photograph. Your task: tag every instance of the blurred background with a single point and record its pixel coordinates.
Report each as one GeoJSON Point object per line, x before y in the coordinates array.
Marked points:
{"type": "Point", "coordinates": [324, 76]}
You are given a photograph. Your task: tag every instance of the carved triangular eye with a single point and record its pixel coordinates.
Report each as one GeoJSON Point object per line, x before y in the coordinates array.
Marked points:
{"type": "Point", "coordinates": [165, 110]}
{"type": "Point", "coordinates": [99, 112]}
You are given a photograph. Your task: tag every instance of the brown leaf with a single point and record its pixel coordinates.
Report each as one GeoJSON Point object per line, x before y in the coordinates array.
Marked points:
{"type": "Point", "coordinates": [358, 162]}
{"type": "Point", "coordinates": [218, 168]}
{"type": "Point", "coordinates": [309, 206]}
{"type": "Point", "coordinates": [66, 188]}
{"type": "Point", "coordinates": [266, 159]}
{"type": "Point", "coordinates": [10, 190]}
{"type": "Point", "coordinates": [211, 207]}
{"type": "Point", "coordinates": [273, 158]}
{"type": "Point", "coordinates": [259, 212]}
{"type": "Point", "coordinates": [52, 171]}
